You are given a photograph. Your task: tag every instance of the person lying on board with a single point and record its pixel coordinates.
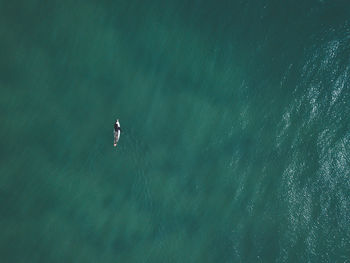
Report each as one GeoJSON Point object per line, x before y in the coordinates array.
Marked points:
{"type": "Point", "coordinates": [116, 132]}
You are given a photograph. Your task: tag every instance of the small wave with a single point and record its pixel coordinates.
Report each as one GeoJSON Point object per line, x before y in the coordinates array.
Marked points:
{"type": "Point", "coordinates": [339, 85]}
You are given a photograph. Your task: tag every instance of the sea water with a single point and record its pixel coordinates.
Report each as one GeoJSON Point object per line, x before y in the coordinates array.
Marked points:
{"type": "Point", "coordinates": [235, 131]}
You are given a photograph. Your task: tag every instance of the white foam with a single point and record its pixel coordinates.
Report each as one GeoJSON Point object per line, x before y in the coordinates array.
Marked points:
{"type": "Point", "coordinates": [339, 86]}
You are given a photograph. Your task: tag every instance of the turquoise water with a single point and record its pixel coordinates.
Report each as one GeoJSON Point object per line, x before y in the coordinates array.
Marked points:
{"type": "Point", "coordinates": [236, 131]}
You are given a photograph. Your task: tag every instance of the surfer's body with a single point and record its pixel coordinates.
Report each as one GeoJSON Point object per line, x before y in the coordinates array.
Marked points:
{"type": "Point", "coordinates": [116, 132]}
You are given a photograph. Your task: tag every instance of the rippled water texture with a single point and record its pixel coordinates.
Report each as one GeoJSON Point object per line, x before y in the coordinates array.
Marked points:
{"type": "Point", "coordinates": [235, 131]}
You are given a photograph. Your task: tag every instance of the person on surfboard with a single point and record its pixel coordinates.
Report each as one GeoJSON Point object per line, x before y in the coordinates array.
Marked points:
{"type": "Point", "coordinates": [116, 132]}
